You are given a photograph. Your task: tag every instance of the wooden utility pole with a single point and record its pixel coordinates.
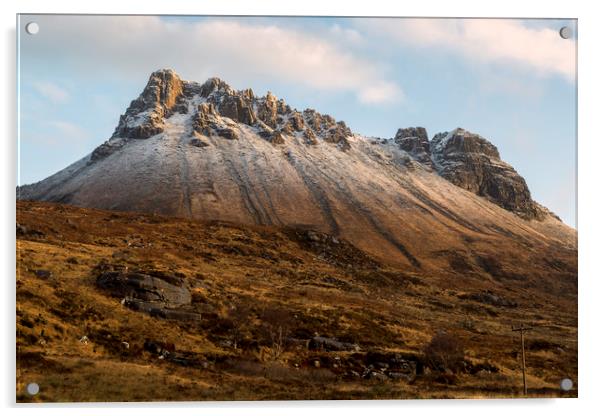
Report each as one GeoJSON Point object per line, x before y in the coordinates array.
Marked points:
{"type": "Point", "coordinates": [522, 330]}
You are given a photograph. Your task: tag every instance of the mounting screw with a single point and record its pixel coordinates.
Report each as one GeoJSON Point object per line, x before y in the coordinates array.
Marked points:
{"type": "Point", "coordinates": [566, 384]}
{"type": "Point", "coordinates": [33, 389]}
{"type": "Point", "coordinates": [32, 28]}
{"type": "Point", "coordinates": [566, 32]}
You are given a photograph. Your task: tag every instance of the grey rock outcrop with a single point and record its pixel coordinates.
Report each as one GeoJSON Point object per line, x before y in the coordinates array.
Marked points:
{"type": "Point", "coordinates": [166, 94]}
{"type": "Point", "coordinates": [331, 344]}
{"type": "Point", "coordinates": [227, 133]}
{"type": "Point", "coordinates": [277, 137]}
{"type": "Point", "coordinates": [267, 110]}
{"type": "Point", "coordinates": [204, 119]}
{"type": "Point", "coordinates": [490, 298]}
{"type": "Point", "coordinates": [146, 286]}
{"type": "Point", "coordinates": [156, 293]}
{"type": "Point", "coordinates": [238, 108]}
{"type": "Point", "coordinates": [414, 140]}
{"type": "Point", "coordinates": [473, 163]}
{"type": "Point", "coordinates": [145, 116]}
{"type": "Point", "coordinates": [198, 142]}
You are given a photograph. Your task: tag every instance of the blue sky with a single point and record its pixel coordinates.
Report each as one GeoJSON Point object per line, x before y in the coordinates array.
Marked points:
{"type": "Point", "coordinates": [512, 81]}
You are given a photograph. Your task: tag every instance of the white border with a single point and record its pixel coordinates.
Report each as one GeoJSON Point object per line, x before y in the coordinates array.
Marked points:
{"type": "Point", "coordinates": [589, 153]}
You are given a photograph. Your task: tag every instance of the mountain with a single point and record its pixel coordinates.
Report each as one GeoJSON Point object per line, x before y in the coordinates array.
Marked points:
{"type": "Point", "coordinates": [206, 151]}
{"type": "Point", "coordinates": [224, 246]}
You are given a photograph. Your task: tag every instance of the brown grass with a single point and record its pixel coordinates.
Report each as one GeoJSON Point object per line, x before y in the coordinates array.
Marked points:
{"type": "Point", "coordinates": [251, 284]}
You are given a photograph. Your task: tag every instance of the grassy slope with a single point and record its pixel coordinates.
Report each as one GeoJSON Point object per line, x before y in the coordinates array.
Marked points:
{"type": "Point", "coordinates": [244, 276]}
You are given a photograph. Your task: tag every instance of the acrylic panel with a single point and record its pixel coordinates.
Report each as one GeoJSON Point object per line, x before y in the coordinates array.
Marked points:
{"type": "Point", "coordinates": [294, 208]}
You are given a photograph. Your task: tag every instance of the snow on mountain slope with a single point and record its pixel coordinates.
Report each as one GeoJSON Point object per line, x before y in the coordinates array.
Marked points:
{"type": "Point", "coordinates": [212, 153]}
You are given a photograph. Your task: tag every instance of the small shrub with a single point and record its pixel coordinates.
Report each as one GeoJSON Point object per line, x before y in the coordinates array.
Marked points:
{"type": "Point", "coordinates": [468, 324]}
{"type": "Point", "coordinates": [444, 353]}
{"type": "Point", "coordinates": [239, 316]}
{"type": "Point", "coordinates": [276, 326]}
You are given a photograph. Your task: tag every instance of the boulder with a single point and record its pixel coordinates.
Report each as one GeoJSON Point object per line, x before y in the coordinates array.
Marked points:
{"type": "Point", "coordinates": [400, 376]}
{"type": "Point", "coordinates": [43, 274]}
{"type": "Point", "coordinates": [276, 137]}
{"type": "Point", "coordinates": [198, 142]}
{"type": "Point", "coordinates": [227, 133]}
{"type": "Point", "coordinates": [156, 293]}
{"type": "Point", "coordinates": [490, 298]}
{"type": "Point", "coordinates": [392, 362]}
{"type": "Point", "coordinates": [331, 344]}
{"type": "Point", "coordinates": [158, 347]}
{"type": "Point", "coordinates": [107, 148]}
{"type": "Point", "coordinates": [23, 231]}
{"type": "Point", "coordinates": [375, 375]}
{"type": "Point", "coordinates": [152, 287]}
{"type": "Point", "coordinates": [310, 137]}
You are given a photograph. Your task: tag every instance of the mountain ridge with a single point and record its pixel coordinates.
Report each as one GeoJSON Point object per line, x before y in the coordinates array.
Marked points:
{"type": "Point", "coordinates": [207, 151]}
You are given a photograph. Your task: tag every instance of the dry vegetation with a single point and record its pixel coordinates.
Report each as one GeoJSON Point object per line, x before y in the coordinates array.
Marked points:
{"type": "Point", "coordinates": [263, 294]}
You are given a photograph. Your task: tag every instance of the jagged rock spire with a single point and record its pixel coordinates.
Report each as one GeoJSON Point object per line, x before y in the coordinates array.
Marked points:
{"type": "Point", "coordinates": [166, 93]}
{"type": "Point", "coordinates": [414, 140]}
{"type": "Point", "coordinates": [144, 117]}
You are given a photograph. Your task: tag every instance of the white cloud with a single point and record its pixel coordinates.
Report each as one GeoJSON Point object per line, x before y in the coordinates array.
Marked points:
{"type": "Point", "coordinates": [382, 92]}
{"type": "Point", "coordinates": [51, 92]}
{"type": "Point", "coordinates": [489, 41]}
{"type": "Point", "coordinates": [239, 52]}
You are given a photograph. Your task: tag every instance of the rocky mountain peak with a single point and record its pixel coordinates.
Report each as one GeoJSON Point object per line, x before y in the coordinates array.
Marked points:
{"type": "Point", "coordinates": [463, 141]}
{"type": "Point", "coordinates": [210, 104]}
{"type": "Point", "coordinates": [214, 111]}
{"type": "Point", "coordinates": [472, 162]}
{"type": "Point", "coordinates": [160, 93]}
{"type": "Point", "coordinates": [215, 85]}
{"type": "Point", "coordinates": [145, 115]}
{"type": "Point", "coordinates": [207, 151]}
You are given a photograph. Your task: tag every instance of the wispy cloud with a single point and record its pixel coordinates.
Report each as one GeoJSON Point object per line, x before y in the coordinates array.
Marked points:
{"type": "Point", "coordinates": [380, 92]}
{"type": "Point", "coordinates": [51, 91]}
{"type": "Point", "coordinates": [240, 52]}
{"type": "Point", "coordinates": [56, 134]}
{"type": "Point", "coordinates": [490, 41]}
{"type": "Point", "coordinates": [349, 35]}
{"type": "Point", "coordinates": [69, 130]}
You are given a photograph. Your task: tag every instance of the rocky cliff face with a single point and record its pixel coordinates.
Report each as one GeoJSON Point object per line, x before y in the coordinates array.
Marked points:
{"type": "Point", "coordinates": [166, 94]}
{"type": "Point", "coordinates": [473, 163]}
{"type": "Point", "coordinates": [414, 140]}
{"type": "Point", "coordinates": [206, 151]}
{"type": "Point", "coordinates": [146, 114]}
